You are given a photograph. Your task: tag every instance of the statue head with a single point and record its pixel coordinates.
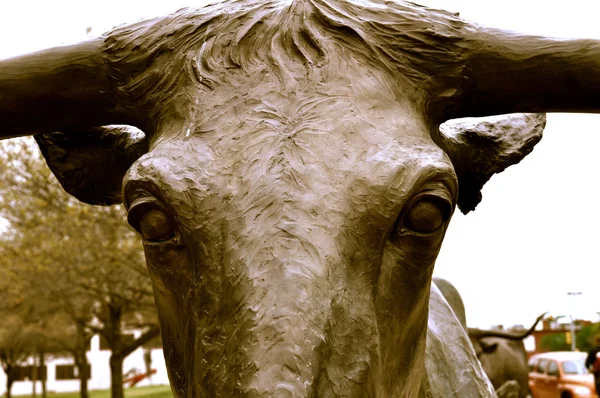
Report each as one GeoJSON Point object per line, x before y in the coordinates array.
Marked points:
{"type": "Point", "coordinates": [292, 183]}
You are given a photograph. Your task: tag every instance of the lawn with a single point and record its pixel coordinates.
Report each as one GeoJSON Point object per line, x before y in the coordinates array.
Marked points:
{"type": "Point", "coordinates": [146, 392]}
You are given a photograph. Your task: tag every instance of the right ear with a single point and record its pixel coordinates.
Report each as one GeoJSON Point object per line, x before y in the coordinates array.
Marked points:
{"type": "Point", "coordinates": [482, 147]}
{"type": "Point", "coordinates": [90, 165]}
{"type": "Point", "coordinates": [488, 348]}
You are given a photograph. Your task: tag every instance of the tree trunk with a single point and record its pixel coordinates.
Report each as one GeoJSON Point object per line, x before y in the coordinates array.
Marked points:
{"type": "Point", "coordinates": [82, 370]}
{"type": "Point", "coordinates": [80, 357]}
{"type": "Point", "coordinates": [83, 388]}
{"type": "Point", "coordinates": [116, 376]}
{"type": "Point", "coordinates": [148, 364]}
{"type": "Point", "coordinates": [114, 335]}
{"type": "Point", "coordinates": [34, 377]}
{"type": "Point", "coordinates": [83, 379]}
{"type": "Point", "coordinates": [119, 350]}
{"type": "Point", "coordinates": [43, 375]}
{"type": "Point", "coordinates": [9, 382]}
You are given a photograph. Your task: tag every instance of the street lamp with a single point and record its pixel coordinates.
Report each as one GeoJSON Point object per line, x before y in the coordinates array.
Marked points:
{"type": "Point", "coordinates": [573, 343]}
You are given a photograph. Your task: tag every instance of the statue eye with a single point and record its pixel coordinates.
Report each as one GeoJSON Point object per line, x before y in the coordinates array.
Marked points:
{"type": "Point", "coordinates": [146, 217]}
{"type": "Point", "coordinates": [155, 226]}
{"type": "Point", "coordinates": [427, 215]}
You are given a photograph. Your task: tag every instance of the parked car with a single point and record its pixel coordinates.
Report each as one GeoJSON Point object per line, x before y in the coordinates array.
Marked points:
{"type": "Point", "coordinates": [560, 375]}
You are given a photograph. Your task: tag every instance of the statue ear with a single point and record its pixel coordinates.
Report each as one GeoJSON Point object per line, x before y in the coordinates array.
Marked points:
{"type": "Point", "coordinates": [488, 348]}
{"type": "Point", "coordinates": [90, 165]}
{"type": "Point", "coordinates": [482, 147]}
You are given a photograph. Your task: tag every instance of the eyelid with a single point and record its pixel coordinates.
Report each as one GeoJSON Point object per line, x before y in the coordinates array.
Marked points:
{"type": "Point", "coordinates": [436, 192]}
{"type": "Point", "coordinates": [435, 189]}
{"type": "Point", "coordinates": [140, 190]}
{"type": "Point", "coordinates": [440, 199]}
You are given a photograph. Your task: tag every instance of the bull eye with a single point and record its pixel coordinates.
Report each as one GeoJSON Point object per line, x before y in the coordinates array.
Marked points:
{"type": "Point", "coordinates": [148, 216]}
{"type": "Point", "coordinates": [155, 226]}
{"type": "Point", "coordinates": [427, 215]}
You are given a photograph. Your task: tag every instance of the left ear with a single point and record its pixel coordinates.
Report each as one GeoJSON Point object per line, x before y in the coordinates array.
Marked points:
{"type": "Point", "coordinates": [90, 165]}
{"type": "Point", "coordinates": [482, 147]}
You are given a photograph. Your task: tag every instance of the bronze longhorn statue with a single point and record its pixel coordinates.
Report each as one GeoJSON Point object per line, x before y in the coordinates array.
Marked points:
{"type": "Point", "coordinates": [503, 356]}
{"type": "Point", "coordinates": [293, 185]}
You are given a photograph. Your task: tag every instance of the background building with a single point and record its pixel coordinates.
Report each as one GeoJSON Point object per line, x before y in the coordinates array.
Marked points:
{"type": "Point", "coordinates": [62, 375]}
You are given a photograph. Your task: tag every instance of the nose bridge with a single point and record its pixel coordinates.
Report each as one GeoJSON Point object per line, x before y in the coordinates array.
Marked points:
{"type": "Point", "coordinates": [293, 239]}
{"type": "Point", "coordinates": [297, 247]}
{"type": "Point", "coordinates": [287, 309]}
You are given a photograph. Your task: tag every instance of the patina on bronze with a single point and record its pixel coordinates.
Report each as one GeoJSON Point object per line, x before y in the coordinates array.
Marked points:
{"type": "Point", "coordinates": [293, 186]}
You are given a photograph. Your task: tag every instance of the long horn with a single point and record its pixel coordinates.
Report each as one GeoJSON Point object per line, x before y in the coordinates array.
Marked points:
{"type": "Point", "coordinates": [479, 333]}
{"type": "Point", "coordinates": [503, 72]}
{"type": "Point", "coordinates": [63, 88]}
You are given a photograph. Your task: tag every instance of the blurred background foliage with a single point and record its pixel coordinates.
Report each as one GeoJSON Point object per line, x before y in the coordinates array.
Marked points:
{"type": "Point", "coordinates": [585, 339]}
{"type": "Point", "coordinates": [68, 270]}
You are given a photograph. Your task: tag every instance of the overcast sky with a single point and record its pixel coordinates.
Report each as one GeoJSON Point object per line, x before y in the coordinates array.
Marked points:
{"type": "Point", "coordinates": [533, 238]}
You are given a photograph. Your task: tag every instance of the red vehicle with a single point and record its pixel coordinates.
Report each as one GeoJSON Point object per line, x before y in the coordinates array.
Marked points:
{"type": "Point", "coordinates": [560, 375]}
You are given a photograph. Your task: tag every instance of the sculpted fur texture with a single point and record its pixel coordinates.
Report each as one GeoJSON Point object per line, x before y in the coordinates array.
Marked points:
{"type": "Point", "coordinates": [293, 185]}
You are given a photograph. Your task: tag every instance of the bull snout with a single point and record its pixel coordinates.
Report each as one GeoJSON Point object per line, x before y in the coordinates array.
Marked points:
{"type": "Point", "coordinates": [294, 325]}
{"type": "Point", "coordinates": [287, 311]}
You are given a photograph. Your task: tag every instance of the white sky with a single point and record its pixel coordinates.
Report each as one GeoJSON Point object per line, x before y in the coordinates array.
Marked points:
{"type": "Point", "coordinates": [534, 236]}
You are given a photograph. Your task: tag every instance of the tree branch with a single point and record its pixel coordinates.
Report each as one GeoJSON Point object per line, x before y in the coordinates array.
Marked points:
{"type": "Point", "coordinates": [148, 335]}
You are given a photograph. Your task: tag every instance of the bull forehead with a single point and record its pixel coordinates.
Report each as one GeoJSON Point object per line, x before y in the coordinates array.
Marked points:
{"type": "Point", "coordinates": [312, 155]}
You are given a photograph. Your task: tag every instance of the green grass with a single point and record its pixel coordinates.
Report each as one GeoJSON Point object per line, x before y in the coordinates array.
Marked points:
{"type": "Point", "coordinates": [146, 392]}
